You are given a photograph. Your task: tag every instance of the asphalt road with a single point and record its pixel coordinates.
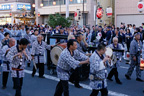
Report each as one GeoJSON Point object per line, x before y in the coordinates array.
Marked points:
{"type": "Point", "coordinates": [34, 86]}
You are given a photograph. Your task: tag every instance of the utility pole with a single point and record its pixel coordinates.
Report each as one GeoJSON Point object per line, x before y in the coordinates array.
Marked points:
{"type": "Point", "coordinates": [96, 13]}
{"type": "Point", "coordinates": [60, 6]}
{"type": "Point", "coordinates": [67, 8]}
{"type": "Point", "coordinates": [83, 14]}
{"type": "Point", "coordinates": [36, 11]}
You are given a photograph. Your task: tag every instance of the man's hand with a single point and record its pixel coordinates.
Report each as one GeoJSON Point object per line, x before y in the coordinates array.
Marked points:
{"type": "Point", "coordinates": [106, 59]}
{"type": "Point", "coordinates": [32, 57]}
{"type": "Point", "coordinates": [19, 55]}
{"type": "Point", "coordinates": [7, 50]}
{"type": "Point", "coordinates": [84, 62]}
{"type": "Point", "coordinates": [89, 54]}
{"type": "Point", "coordinates": [24, 52]}
{"type": "Point", "coordinates": [134, 58]}
{"type": "Point", "coordinates": [87, 61]}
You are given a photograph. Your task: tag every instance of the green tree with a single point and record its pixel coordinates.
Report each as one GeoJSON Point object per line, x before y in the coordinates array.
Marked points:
{"type": "Point", "coordinates": [55, 20]}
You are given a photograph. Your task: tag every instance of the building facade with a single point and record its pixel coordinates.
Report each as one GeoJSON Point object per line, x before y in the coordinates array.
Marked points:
{"type": "Point", "coordinates": [126, 11]}
{"type": "Point", "coordinates": [88, 9]}
{"type": "Point", "coordinates": [11, 10]}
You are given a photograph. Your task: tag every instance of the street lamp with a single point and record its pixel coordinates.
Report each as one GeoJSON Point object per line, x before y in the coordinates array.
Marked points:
{"type": "Point", "coordinates": [54, 2]}
{"type": "Point", "coordinates": [11, 6]}
{"type": "Point", "coordinates": [33, 5]}
{"type": "Point", "coordinates": [23, 6]}
{"type": "Point", "coordinates": [41, 4]}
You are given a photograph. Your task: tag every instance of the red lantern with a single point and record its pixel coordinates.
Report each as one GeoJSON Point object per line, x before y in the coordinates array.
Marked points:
{"type": "Point", "coordinates": [99, 13]}
{"type": "Point", "coordinates": [75, 14]}
{"type": "Point", "coordinates": [140, 6]}
{"type": "Point", "coordinates": [38, 14]}
{"type": "Point", "coordinates": [10, 14]}
{"type": "Point", "coordinates": [142, 64]}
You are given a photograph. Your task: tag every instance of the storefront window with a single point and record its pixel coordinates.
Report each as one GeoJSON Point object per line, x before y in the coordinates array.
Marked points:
{"type": "Point", "coordinates": [77, 1]}
{"type": "Point", "coordinates": [60, 2]}
{"type": "Point", "coordinates": [45, 2]}
{"type": "Point", "coordinates": [5, 20]}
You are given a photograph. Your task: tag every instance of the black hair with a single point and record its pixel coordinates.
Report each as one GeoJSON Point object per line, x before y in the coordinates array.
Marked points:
{"type": "Point", "coordinates": [138, 29]}
{"type": "Point", "coordinates": [35, 30]}
{"type": "Point", "coordinates": [23, 41]}
{"type": "Point", "coordinates": [6, 34]}
{"type": "Point", "coordinates": [78, 35]}
{"type": "Point", "coordinates": [70, 42]}
{"type": "Point", "coordinates": [27, 29]}
{"type": "Point", "coordinates": [101, 46]}
{"type": "Point", "coordinates": [129, 30]}
{"type": "Point", "coordinates": [117, 28]}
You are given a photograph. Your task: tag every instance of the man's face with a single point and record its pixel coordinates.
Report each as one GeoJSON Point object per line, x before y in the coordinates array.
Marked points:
{"type": "Point", "coordinates": [23, 47]}
{"type": "Point", "coordinates": [61, 31]}
{"type": "Point", "coordinates": [93, 28]}
{"type": "Point", "coordinates": [137, 37]}
{"type": "Point", "coordinates": [28, 31]}
{"type": "Point", "coordinates": [115, 42]}
{"type": "Point", "coordinates": [57, 28]}
{"type": "Point", "coordinates": [22, 27]}
{"type": "Point", "coordinates": [102, 51]}
{"type": "Point", "coordinates": [121, 31]}
{"type": "Point", "coordinates": [134, 27]}
{"type": "Point", "coordinates": [39, 38]}
{"type": "Point", "coordinates": [74, 46]}
{"type": "Point", "coordinates": [99, 29]}
{"type": "Point", "coordinates": [2, 30]}
{"type": "Point", "coordinates": [108, 29]}
{"type": "Point", "coordinates": [84, 26]}
{"type": "Point", "coordinates": [8, 36]}
{"type": "Point", "coordinates": [80, 37]}
{"type": "Point", "coordinates": [36, 32]}
{"type": "Point", "coordinates": [12, 43]}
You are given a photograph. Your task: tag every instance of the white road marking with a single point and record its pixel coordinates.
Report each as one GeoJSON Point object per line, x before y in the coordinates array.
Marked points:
{"type": "Point", "coordinates": [124, 67]}
{"type": "Point", "coordinates": [112, 93]}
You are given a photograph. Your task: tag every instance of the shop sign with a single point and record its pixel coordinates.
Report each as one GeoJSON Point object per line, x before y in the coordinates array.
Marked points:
{"type": "Point", "coordinates": [26, 6]}
{"type": "Point", "coordinates": [5, 7]}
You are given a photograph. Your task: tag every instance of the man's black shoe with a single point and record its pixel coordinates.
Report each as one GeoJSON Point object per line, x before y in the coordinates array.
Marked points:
{"type": "Point", "coordinates": [4, 87]}
{"type": "Point", "coordinates": [127, 77]}
{"type": "Point", "coordinates": [14, 87]}
{"type": "Point", "coordinates": [71, 81]}
{"type": "Point", "coordinates": [78, 86]}
{"type": "Point", "coordinates": [110, 79]}
{"type": "Point", "coordinates": [138, 79]}
{"type": "Point", "coordinates": [118, 82]}
{"type": "Point", "coordinates": [41, 77]}
{"type": "Point", "coordinates": [32, 75]}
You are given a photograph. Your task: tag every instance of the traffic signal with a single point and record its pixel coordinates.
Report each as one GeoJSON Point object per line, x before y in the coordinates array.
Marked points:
{"type": "Point", "coordinates": [78, 15]}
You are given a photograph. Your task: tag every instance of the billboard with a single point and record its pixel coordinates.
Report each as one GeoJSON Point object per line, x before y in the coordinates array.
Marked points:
{"type": "Point", "coordinates": [26, 6]}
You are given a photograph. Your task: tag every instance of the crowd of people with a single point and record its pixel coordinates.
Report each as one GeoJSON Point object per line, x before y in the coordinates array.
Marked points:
{"type": "Point", "coordinates": [21, 43]}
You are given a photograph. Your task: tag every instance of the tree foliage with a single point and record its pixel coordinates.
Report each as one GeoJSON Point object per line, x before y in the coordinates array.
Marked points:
{"type": "Point", "coordinates": [55, 20]}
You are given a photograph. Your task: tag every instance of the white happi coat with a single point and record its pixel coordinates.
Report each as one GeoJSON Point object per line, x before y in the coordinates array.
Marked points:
{"type": "Point", "coordinates": [6, 67]}
{"type": "Point", "coordinates": [98, 69]}
{"type": "Point", "coordinates": [67, 61]}
{"type": "Point", "coordinates": [39, 49]}
{"type": "Point", "coordinates": [15, 62]}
